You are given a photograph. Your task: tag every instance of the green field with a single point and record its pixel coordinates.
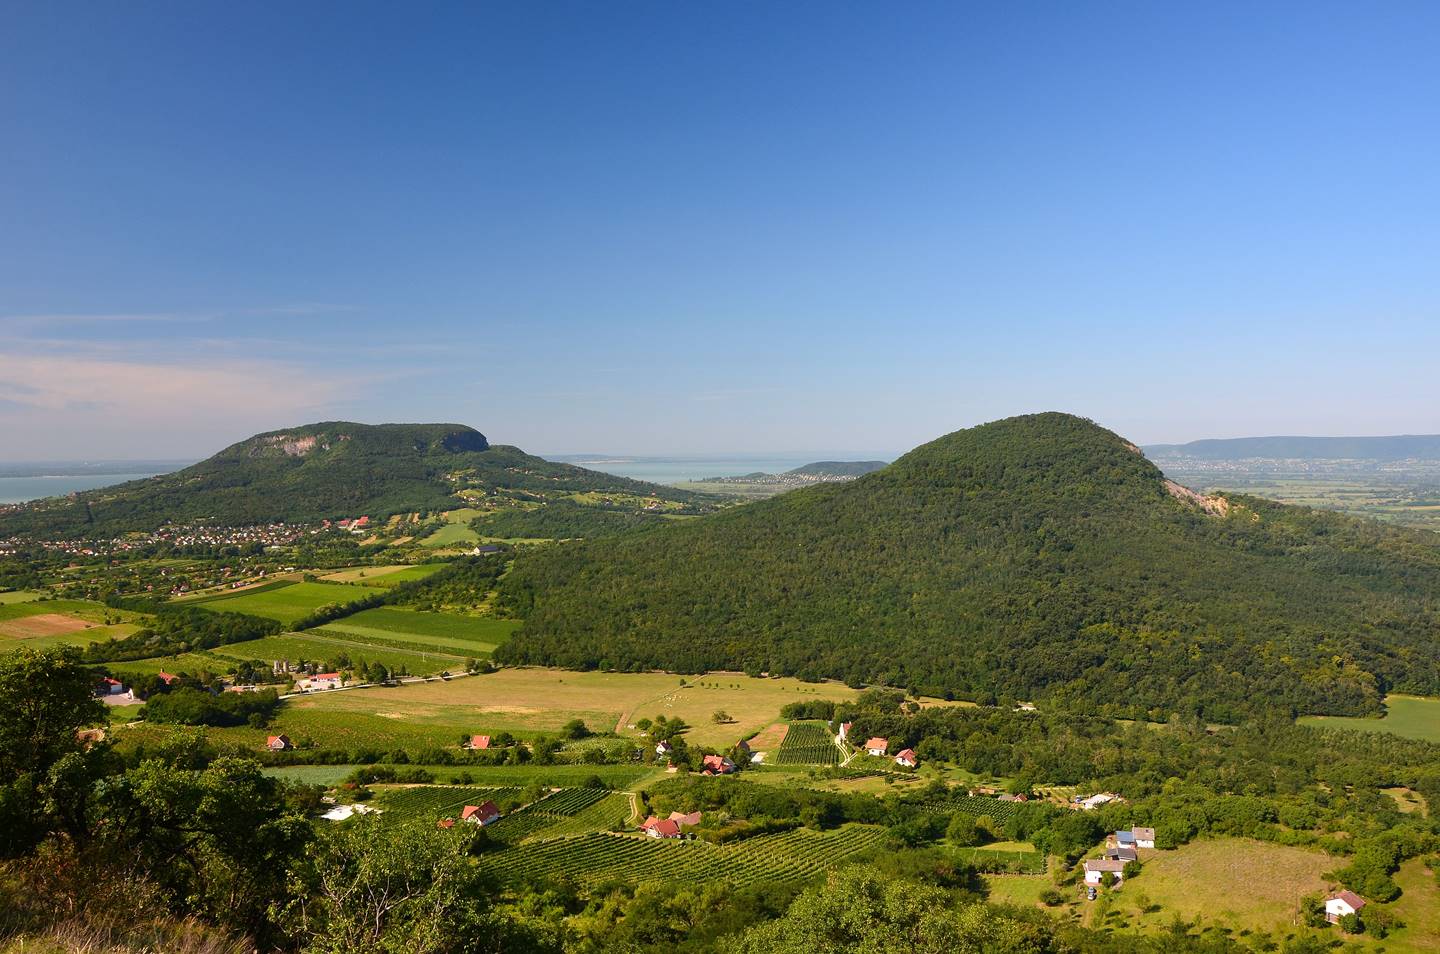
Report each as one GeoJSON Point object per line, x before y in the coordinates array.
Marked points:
{"type": "Point", "coordinates": [456, 530]}
{"type": "Point", "coordinates": [442, 632]}
{"type": "Point", "coordinates": [382, 575]}
{"type": "Point", "coordinates": [18, 596]}
{"type": "Point", "coordinates": [285, 602]}
{"type": "Point", "coordinates": [500, 776]}
{"type": "Point", "coordinates": [45, 624]}
{"type": "Point", "coordinates": [1414, 717]}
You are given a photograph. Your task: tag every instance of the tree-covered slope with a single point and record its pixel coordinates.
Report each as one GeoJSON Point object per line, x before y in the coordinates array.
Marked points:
{"type": "Point", "coordinates": [1031, 557]}
{"type": "Point", "coordinates": [317, 471]}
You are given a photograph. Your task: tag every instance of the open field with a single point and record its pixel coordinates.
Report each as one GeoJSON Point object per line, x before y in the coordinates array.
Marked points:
{"type": "Point", "coordinates": [48, 623]}
{"type": "Point", "coordinates": [323, 646]}
{"type": "Point", "coordinates": [383, 575]}
{"type": "Point", "coordinates": [405, 628]}
{"type": "Point", "coordinates": [530, 700]}
{"type": "Point", "coordinates": [1414, 717]}
{"type": "Point", "coordinates": [1232, 882]}
{"type": "Point", "coordinates": [287, 602]}
{"type": "Point", "coordinates": [554, 776]}
{"type": "Point", "coordinates": [456, 530]}
{"type": "Point", "coordinates": [1419, 907]}
{"type": "Point", "coordinates": [19, 596]}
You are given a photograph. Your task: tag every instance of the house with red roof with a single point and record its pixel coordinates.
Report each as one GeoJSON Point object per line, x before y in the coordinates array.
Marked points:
{"type": "Point", "coordinates": [324, 680]}
{"type": "Point", "coordinates": [844, 732]}
{"type": "Point", "coordinates": [907, 758]}
{"type": "Point", "coordinates": [716, 765]}
{"type": "Point", "coordinates": [166, 677]}
{"type": "Point", "coordinates": [660, 827]}
{"type": "Point", "coordinates": [482, 814]}
{"type": "Point", "coordinates": [877, 746]}
{"type": "Point", "coordinates": [1341, 904]}
{"type": "Point", "coordinates": [445, 823]}
{"type": "Point", "coordinates": [690, 819]}
{"type": "Point", "coordinates": [278, 743]}
{"type": "Point", "coordinates": [479, 742]}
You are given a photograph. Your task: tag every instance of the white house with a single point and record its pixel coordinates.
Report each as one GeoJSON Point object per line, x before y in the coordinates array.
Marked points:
{"type": "Point", "coordinates": [907, 758]}
{"type": "Point", "coordinates": [664, 748]}
{"type": "Point", "coordinates": [1097, 868]}
{"type": "Point", "coordinates": [877, 746]}
{"type": "Point", "coordinates": [1342, 903]}
{"type": "Point", "coordinates": [1144, 837]}
{"type": "Point", "coordinates": [844, 732]}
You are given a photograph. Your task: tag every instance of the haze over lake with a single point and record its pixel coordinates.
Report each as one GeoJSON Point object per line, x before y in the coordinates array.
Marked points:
{"type": "Point", "coordinates": [679, 469]}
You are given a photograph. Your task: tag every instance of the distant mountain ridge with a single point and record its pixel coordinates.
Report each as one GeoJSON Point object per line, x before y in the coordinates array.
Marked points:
{"type": "Point", "coordinates": [1397, 447]}
{"type": "Point", "coordinates": [313, 472]}
{"type": "Point", "coordinates": [1035, 557]}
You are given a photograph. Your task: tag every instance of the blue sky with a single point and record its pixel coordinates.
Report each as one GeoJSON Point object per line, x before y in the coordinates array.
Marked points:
{"type": "Point", "coordinates": [656, 228]}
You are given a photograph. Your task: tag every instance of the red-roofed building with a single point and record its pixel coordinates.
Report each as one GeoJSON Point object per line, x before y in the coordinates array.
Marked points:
{"type": "Point", "coordinates": [482, 814]}
{"type": "Point", "coordinates": [445, 823]}
{"type": "Point", "coordinates": [111, 687]}
{"type": "Point", "coordinates": [278, 743]}
{"type": "Point", "coordinates": [877, 746]}
{"type": "Point", "coordinates": [479, 742]}
{"type": "Point", "coordinates": [1341, 904]}
{"type": "Point", "coordinates": [166, 677]}
{"type": "Point", "coordinates": [844, 732]}
{"type": "Point", "coordinates": [661, 828]}
{"type": "Point", "coordinates": [716, 765]}
{"type": "Point", "coordinates": [907, 758]}
{"type": "Point", "coordinates": [685, 818]}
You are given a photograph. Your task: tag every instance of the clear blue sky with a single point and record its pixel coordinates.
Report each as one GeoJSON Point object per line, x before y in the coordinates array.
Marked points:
{"type": "Point", "coordinates": [669, 227]}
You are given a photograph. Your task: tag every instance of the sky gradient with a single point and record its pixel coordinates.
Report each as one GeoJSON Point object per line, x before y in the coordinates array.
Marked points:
{"type": "Point", "coordinates": [685, 228]}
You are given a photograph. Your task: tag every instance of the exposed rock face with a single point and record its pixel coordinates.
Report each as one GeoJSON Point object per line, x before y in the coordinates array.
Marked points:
{"type": "Point", "coordinates": [1213, 504]}
{"type": "Point", "coordinates": [292, 446]}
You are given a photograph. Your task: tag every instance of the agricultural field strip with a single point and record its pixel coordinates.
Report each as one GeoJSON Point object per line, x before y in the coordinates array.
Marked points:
{"type": "Point", "coordinates": [791, 856]}
{"type": "Point", "coordinates": [440, 801]}
{"type": "Point", "coordinates": [312, 644]}
{"type": "Point", "coordinates": [971, 805]}
{"type": "Point", "coordinates": [807, 743]}
{"type": "Point", "coordinates": [450, 647]}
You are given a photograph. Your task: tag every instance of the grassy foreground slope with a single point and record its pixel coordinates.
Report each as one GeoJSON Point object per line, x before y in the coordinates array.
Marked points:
{"type": "Point", "coordinates": [1031, 557]}
{"type": "Point", "coordinates": [313, 472]}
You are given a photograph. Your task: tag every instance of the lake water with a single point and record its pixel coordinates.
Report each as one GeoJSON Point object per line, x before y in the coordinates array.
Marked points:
{"type": "Point", "coordinates": [672, 470]}
{"type": "Point", "coordinates": [18, 489]}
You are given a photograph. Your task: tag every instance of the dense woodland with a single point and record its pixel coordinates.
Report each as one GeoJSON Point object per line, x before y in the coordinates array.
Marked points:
{"type": "Point", "coordinates": [349, 470]}
{"type": "Point", "coordinates": [1036, 557]}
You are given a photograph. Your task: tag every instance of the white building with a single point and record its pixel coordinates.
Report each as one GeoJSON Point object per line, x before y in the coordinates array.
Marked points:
{"type": "Point", "coordinates": [1340, 904]}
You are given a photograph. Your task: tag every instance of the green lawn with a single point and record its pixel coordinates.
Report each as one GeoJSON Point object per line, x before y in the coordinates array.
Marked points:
{"type": "Point", "coordinates": [287, 602]}
{"type": "Point", "coordinates": [1414, 717]}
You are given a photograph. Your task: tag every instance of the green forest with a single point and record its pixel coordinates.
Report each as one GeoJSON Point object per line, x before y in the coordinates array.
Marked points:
{"type": "Point", "coordinates": [1035, 557]}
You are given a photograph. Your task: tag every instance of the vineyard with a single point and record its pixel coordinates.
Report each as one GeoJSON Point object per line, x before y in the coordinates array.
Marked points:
{"type": "Point", "coordinates": [807, 743]}
{"type": "Point", "coordinates": [972, 805]}
{"type": "Point", "coordinates": [792, 856]}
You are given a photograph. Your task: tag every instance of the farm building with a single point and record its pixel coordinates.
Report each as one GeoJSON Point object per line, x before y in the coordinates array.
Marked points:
{"type": "Point", "coordinates": [1095, 801]}
{"type": "Point", "coordinates": [482, 814]}
{"type": "Point", "coordinates": [877, 746]}
{"type": "Point", "coordinates": [685, 818]}
{"type": "Point", "coordinates": [110, 687]}
{"type": "Point", "coordinates": [478, 742]}
{"type": "Point", "coordinates": [664, 748]}
{"type": "Point", "coordinates": [278, 743]}
{"type": "Point", "coordinates": [445, 823]}
{"type": "Point", "coordinates": [1144, 837]}
{"type": "Point", "coordinates": [324, 680]}
{"type": "Point", "coordinates": [907, 758]}
{"type": "Point", "coordinates": [1342, 903]}
{"type": "Point", "coordinates": [661, 827]}
{"type": "Point", "coordinates": [1122, 853]}
{"type": "Point", "coordinates": [716, 765]}
{"type": "Point", "coordinates": [844, 732]}
{"type": "Point", "coordinates": [166, 677]}
{"type": "Point", "coordinates": [1097, 868]}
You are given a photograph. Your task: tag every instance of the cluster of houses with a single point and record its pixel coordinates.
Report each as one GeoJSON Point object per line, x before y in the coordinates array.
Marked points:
{"type": "Point", "coordinates": [710, 765]}
{"type": "Point", "coordinates": [1121, 848]}
{"type": "Point", "coordinates": [672, 827]}
{"type": "Point", "coordinates": [880, 748]}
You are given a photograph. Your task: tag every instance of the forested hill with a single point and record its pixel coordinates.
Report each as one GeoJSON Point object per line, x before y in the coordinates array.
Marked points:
{"type": "Point", "coordinates": [318, 471]}
{"type": "Point", "coordinates": [1400, 447]}
{"type": "Point", "coordinates": [1034, 557]}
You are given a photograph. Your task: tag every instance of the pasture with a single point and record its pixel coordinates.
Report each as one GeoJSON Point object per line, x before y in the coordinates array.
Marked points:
{"type": "Point", "coordinates": [382, 575]}
{"type": "Point", "coordinates": [1231, 882]}
{"type": "Point", "coordinates": [527, 701]}
{"type": "Point", "coordinates": [285, 602]}
{"type": "Point", "coordinates": [323, 646]}
{"type": "Point", "coordinates": [19, 596]}
{"type": "Point", "coordinates": [1413, 717]}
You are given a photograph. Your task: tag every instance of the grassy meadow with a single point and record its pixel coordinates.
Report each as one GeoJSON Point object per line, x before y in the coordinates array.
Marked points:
{"type": "Point", "coordinates": [456, 530]}
{"type": "Point", "coordinates": [44, 624]}
{"type": "Point", "coordinates": [382, 575]}
{"type": "Point", "coordinates": [1414, 717]}
{"type": "Point", "coordinates": [285, 602]}
{"type": "Point", "coordinates": [465, 635]}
